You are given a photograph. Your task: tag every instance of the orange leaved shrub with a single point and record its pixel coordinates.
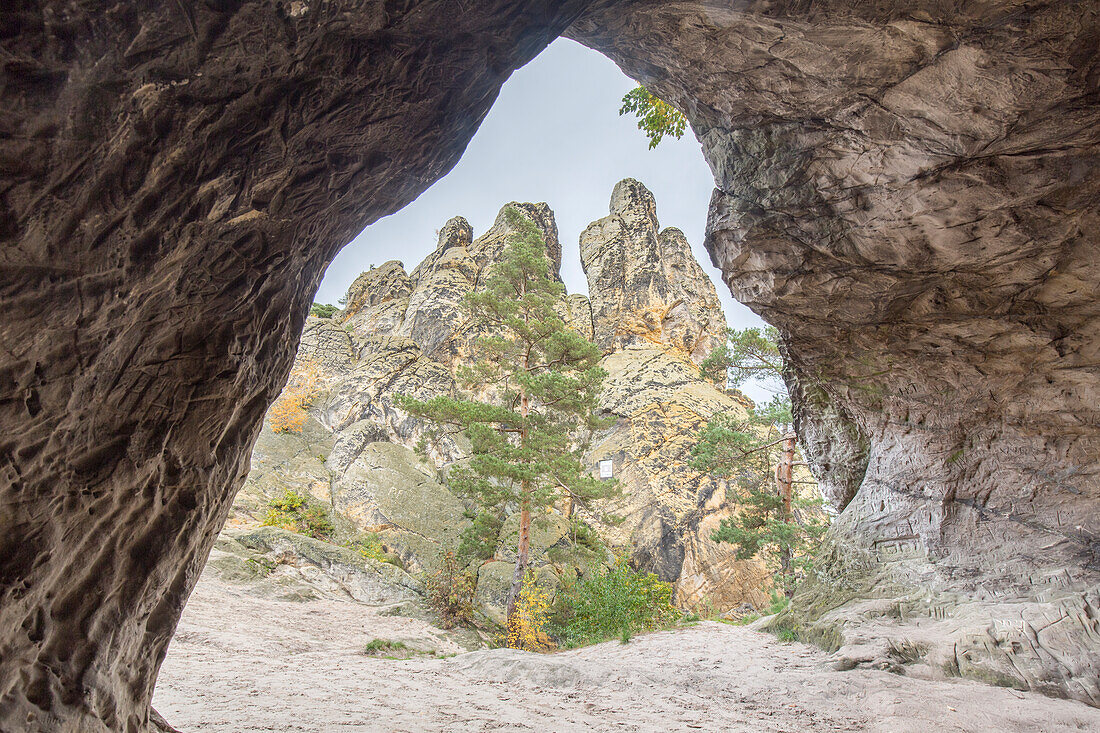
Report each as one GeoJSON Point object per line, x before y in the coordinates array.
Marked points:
{"type": "Point", "coordinates": [288, 413]}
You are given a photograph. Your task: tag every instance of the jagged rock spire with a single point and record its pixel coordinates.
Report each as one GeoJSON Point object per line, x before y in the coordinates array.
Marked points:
{"type": "Point", "coordinates": [646, 288]}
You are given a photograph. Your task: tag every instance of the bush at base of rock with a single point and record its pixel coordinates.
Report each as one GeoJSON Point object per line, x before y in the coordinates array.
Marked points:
{"type": "Point", "coordinates": [451, 592]}
{"type": "Point", "coordinates": [295, 512]}
{"type": "Point", "coordinates": [370, 546]}
{"type": "Point", "coordinates": [527, 627]}
{"type": "Point", "coordinates": [613, 602]}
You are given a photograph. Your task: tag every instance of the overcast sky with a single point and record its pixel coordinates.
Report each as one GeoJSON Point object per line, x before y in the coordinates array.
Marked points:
{"type": "Point", "coordinates": [554, 135]}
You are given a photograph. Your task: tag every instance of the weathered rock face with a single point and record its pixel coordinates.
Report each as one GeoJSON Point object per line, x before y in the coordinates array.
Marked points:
{"type": "Point", "coordinates": [646, 287]}
{"type": "Point", "coordinates": [377, 300]}
{"type": "Point", "coordinates": [291, 566]}
{"type": "Point", "coordinates": [399, 334]}
{"type": "Point", "coordinates": [657, 314]}
{"type": "Point", "coordinates": [388, 489]}
{"type": "Point", "coordinates": [176, 177]}
{"type": "Point", "coordinates": [911, 196]}
{"type": "Point", "coordinates": [908, 190]}
{"type": "Point", "coordinates": [668, 510]}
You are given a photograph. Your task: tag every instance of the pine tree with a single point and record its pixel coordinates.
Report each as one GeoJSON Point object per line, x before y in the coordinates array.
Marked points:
{"type": "Point", "coordinates": [530, 393]}
{"type": "Point", "coordinates": [774, 521]}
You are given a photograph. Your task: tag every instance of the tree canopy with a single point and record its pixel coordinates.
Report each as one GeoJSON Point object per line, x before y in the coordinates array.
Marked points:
{"type": "Point", "coordinates": [757, 454]}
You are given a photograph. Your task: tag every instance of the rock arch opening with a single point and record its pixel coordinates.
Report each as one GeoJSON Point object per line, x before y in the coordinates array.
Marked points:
{"type": "Point", "coordinates": [909, 195]}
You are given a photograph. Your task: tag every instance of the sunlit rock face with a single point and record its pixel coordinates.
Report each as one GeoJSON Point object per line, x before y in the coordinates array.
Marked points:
{"type": "Point", "coordinates": [657, 316]}
{"type": "Point", "coordinates": [645, 286]}
{"type": "Point", "coordinates": [913, 198]}
{"type": "Point", "coordinates": [410, 334]}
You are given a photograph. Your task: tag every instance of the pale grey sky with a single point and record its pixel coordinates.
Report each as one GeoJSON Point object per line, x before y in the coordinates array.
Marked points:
{"type": "Point", "coordinates": [554, 135]}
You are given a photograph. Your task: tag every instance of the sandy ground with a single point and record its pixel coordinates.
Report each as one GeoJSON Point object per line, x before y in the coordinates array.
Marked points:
{"type": "Point", "coordinates": [240, 663]}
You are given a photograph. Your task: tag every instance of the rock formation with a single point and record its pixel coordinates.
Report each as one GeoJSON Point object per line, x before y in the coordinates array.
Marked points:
{"type": "Point", "coordinates": [646, 287]}
{"type": "Point", "coordinates": [907, 190]}
{"type": "Point", "coordinates": [657, 314]}
{"type": "Point", "coordinates": [910, 195]}
{"type": "Point", "coordinates": [176, 178]}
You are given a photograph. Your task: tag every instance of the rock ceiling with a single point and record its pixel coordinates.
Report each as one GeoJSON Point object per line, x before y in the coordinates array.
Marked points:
{"type": "Point", "coordinates": [908, 190]}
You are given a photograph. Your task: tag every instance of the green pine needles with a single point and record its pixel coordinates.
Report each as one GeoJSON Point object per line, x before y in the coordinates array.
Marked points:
{"type": "Point", "coordinates": [757, 454]}
{"type": "Point", "coordinates": [529, 400]}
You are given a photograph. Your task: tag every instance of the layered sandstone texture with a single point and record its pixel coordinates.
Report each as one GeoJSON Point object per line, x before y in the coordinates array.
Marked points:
{"type": "Point", "coordinates": [657, 315]}
{"type": "Point", "coordinates": [174, 179]}
{"type": "Point", "coordinates": [911, 194]}
{"type": "Point", "coordinates": [908, 190]}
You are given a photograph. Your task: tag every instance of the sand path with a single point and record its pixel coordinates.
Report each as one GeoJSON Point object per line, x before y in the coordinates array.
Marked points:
{"type": "Point", "coordinates": [240, 664]}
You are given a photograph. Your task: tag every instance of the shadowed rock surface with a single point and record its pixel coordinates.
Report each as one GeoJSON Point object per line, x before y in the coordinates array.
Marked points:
{"type": "Point", "coordinates": [907, 190]}
{"type": "Point", "coordinates": [176, 177]}
{"type": "Point", "coordinates": [911, 197]}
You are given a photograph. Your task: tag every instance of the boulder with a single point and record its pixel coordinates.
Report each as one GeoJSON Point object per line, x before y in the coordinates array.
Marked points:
{"type": "Point", "coordinates": [285, 561]}
{"type": "Point", "coordinates": [390, 490]}
{"type": "Point", "coordinates": [494, 582]}
{"type": "Point", "coordinates": [377, 300]}
{"type": "Point", "coordinates": [282, 462]}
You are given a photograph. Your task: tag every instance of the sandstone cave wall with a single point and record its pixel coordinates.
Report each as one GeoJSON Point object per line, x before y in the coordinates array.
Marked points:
{"type": "Point", "coordinates": [907, 189]}
{"type": "Point", "coordinates": [174, 179]}
{"type": "Point", "coordinates": [911, 195]}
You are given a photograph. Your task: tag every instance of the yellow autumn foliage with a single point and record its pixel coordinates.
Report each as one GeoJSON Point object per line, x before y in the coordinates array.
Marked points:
{"type": "Point", "coordinates": [527, 627]}
{"type": "Point", "coordinates": [288, 413]}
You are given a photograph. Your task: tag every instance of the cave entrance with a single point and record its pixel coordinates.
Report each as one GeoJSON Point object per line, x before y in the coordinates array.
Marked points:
{"type": "Point", "coordinates": [553, 135]}
{"type": "Point", "coordinates": [175, 177]}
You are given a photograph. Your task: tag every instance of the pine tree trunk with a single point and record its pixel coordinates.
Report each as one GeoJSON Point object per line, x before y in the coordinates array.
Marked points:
{"type": "Point", "coordinates": [522, 553]}
{"type": "Point", "coordinates": [524, 545]}
{"type": "Point", "coordinates": [785, 479]}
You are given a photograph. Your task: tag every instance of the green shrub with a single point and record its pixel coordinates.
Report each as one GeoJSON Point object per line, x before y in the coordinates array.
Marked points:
{"type": "Point", "coordinates": [451, 592]}
{"type": "Point", "coordinates": [323, 310]}
{"type": "Point", "coordinates": [787, 634]}
{"type": "Point", "coordinates": [388, 649]}
{"type": "Point", "coordinates": [779, 602]}
{"type": "Point", "coordinates": [369, 546]}
{"type": "Point", "coordinates": [615, 602]}
{"type": "Point", "coordinates": [261, 566]}
{"type": "Point", "coordinates": [479, 539]}
{"type": "Point", "coordinates": [295, 512]}
{"type": "Point", "coordinates": [656, 118]}
{"type": "Point", "coordinates": [585, 537]}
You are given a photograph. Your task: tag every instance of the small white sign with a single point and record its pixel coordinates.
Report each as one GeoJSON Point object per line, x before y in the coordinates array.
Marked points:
{"type": "Point", "coordinates": [606, 468]}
